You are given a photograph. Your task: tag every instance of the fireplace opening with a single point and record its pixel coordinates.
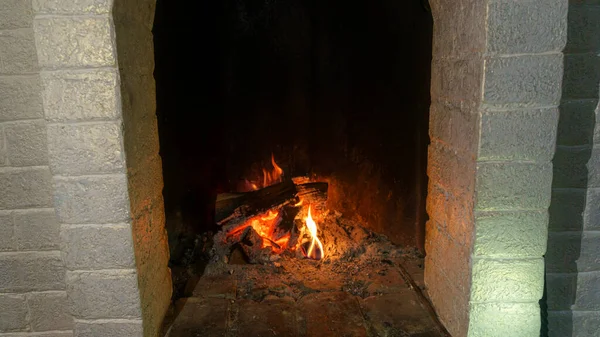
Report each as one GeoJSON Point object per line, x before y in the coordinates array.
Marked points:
{"type": "Point", "coordinates": [294, 141]}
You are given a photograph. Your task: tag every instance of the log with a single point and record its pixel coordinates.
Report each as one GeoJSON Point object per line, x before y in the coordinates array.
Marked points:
{"type": "Point", "coordinates": [237, 207]}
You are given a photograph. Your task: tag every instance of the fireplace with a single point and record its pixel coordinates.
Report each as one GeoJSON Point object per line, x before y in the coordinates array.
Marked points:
{"type": "Point", "coordinates": [83, 245]}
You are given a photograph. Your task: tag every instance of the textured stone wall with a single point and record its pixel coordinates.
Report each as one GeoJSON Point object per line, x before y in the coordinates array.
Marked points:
{"type": "Point", "coordinates": [496, 85]}
{"type": "Point", "coordinates": [573, 263]}
{"type": "Point", "coordinates": [33, 297]}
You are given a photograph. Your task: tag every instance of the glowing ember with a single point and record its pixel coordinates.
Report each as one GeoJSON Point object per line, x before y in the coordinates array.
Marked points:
{"type": "Point", "coordinates": [312, 228]}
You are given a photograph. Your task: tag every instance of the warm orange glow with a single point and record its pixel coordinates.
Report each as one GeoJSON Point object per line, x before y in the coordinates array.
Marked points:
{"type": "Point", "coordinates": [274, 176]}
{"type": "Point", "coordinates": [312, 228]}
{"type": "Point", "coordinates": [299, 203]}
{"type": "Point", "coordinates": [265, 226]}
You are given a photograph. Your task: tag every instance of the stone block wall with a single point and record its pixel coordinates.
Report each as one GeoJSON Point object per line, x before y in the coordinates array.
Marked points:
{"type": "Point", "coordinates": [33, 297]}
{"type": "Point", "coordinates": [496, 87]}
{"type": "Point", "coordinates": [572, 263]}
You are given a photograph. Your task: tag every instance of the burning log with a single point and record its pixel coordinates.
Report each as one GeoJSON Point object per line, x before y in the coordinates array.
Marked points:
{"type": "Point", "coordinates": [236, 208]}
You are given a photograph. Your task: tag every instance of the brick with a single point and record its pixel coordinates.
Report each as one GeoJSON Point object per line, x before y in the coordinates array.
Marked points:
{"type": "Point", "coordinates": [504, 319]}
{"type": "Point", "coordinates": [48, 311]}
{"type": "Point", "coordinates": [25, 188]}
{"type": "Point", "coordinates": [518, 135]}
{"type": "Point", "coordinates": [97, 247]}
{"type": "Point", "coordinates": [36, 229]}
{"type": "Point", "coordinates": [593, 168]}
{"type": "Point", "coordinates": [561, 290]}
{"type": "Point", "coordinates": [513, 186]}
{"type": "Point", "coordinates": [522, 280]}
{"type": "Point", "coordinates": [7, 231]}
{"type": "Point", "coordinates": [451, 170]}
{"type": "Point", "coordinates": [455, 124]}
{"type": "Point", "coordinates": [31, 271]}
{"type": "Point", "coordinates": [3, 155]}
{"type": "Point", "coordinates": [20, 98]}
{"type": "Point", "coordinates": [460, 32]}
{"type": "Point", "coordinates": [14, 313]}
{"type": "Point", "coordinates": [338, 311]}
{"type": "Point", "coordinates": [41, 334]}
{"type": "Point", "coordinates": [65, 42]}
{"type": "Point", "coordinates": [573, 323]}
{"type": "Point", "coordinates": [526, 80]}
{"type": "Point", "coordinates": [93, 199]}
{"type": "Point", "coordinates": [81, 95]}
{"type": "Point", "coordinates": [270, 317]}
{"type": "Point", "coordinates": [77, 149]}
{"type": "Point", "coordinates": [451, 303]}
{"type": "Point", "coordinates": [591, 218]}
{"type": "Point", "coordinates": [526, 27]}
{"type": "Point", "coordinates": [573, 251]}
{"type": "Point", "coordinates": [18, 47]}
{"type": "Point", "coordinates": [583, 28]}
{"type": "Point", "coordinates": [145, 184]}
{"type": "Point", "coordinates": [105, 328]}
{"type": "Point", "coordinates": [453, 214]}
{"type": "Point", "coordinates": [451, 258]}
{"type": "Point", "coordinates": [511, 234]}
{"type": "Point", "coordinates": [570, 169]}
{"type": "Point", "coordinates": [457, 80]}
{"type": "Point", "coordinates": [576, 122]}
{"type": "Point", "coordinates": [566, 209]}
{"type": "Point", "coordinates": [201, 317]}
{"type": "Point", "coordinates": [15, 14]}
{"type": "Point", "coordinates": [581, 76]}
{"type": "Point", "coordinates": [72, 7]}
{"type": "Point", "coordinates": [103, 294]}
{"type": "Point", "coordinates": [26, 143]}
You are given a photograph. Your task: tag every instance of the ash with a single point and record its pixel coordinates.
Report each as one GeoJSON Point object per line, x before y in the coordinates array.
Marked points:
{"type": "Point", "coordinates": [356, 260]}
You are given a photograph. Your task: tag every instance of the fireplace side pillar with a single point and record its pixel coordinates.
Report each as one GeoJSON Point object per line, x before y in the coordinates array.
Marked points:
{"type": "Point", "coordinates": [496, 85]}
{"type": "Point", "coordinates": [104, 161]}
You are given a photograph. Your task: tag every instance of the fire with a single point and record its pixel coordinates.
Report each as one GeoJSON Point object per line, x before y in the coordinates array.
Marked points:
{"type": "Point", "coordinates": [274, 176]}
{"type": "Point", "coordinates": [312, 228]}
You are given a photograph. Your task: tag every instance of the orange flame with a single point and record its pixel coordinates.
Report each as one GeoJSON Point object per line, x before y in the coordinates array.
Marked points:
{"type": "Point", "coordinates": [312, 228]}
{"type": "Point", "coordinates": [274, 176]}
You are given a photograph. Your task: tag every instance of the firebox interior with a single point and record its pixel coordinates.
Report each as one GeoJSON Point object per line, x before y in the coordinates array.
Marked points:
{"type": "Point", "coordinates": [335, 89]}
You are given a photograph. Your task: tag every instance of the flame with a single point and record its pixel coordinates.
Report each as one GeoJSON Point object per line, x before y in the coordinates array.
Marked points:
{"type": "Point", "coordinates": [274, 176]}
{"type": "Point", "coordinates": [265, 225]}
{"type": "Point", "coordinates": [312, 228]}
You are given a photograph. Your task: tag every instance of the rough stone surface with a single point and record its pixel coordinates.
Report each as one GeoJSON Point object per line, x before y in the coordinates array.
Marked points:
{"type": "Point", "coordinates": [72, 7]}
{"type": "Point", "coordinates": [453, 214]}
{"type": "Point", "coordinates": [93, 199]}
{"type": "Point", "coordinates": [522, 280]}
{"type": "Point", "coordinates": [563, 288]}
{"type": "Point", "coordinates": [15, 14]}
{"type": "Point", "coordinates": [82, 95]}
{"type": "Point", "coordinates": [31, 271]}
{"type": "Point", "coordinates": [41, 334]}
{"type": "Point", "coordinates": [26, 143]}
{"type": "Point", "coordinates": [451, 170]}
{"type": "Point", "coordinates": [576, 122]}
{"type": "Point", "coordinates": [3, 155]}
{"type": "Point", "coordinates": [336, 314]}
{"type": "Point", "coordinates": [592, 210]}
{"type": "Point", "coordinates": [18, 46]}
{"type": "Point", "coordinates": [526, 80]}
{"type": "Point", "coordinates": [456, 80]}
{"type": "Point", "coordinates": [513, 186]}
{"type": "Point", "coordinates": [526, 27]}
{"type": "Point", "coordinates": [195, 317]}
{"type": "Point", "coordinates": [36, 229]}
{"type": "Point", "coordinates": [103, 294]}
{"type": "Point", "coordinates": [48, 311]}
{"type": "Point", "coordinates": [566, 209]}
{"type": "Point", "coordinates": [573, 251]}
{"type": "Point", "coordinates": [14, 313]}
{"type": "Point", "coordinates": [77, 149]}
{"type": "Point", "coordinates": [65, 42]}
{"type": "Point", "coordinates": [583, 28]}
{"type": "Point", "coordinates": [582, 76]}
{"type": "Point", "coordinates": [97, 246]}
{"type": "Point", "coordinates": [25, 188]}
{"type": "Point", "coordinates": [20, 97]}
{"type": "Point", "coordinates": [455, 124]}
{"type": "Point", "coordinates": [7, 231]}
{"type": "Point", "coordinates": [593, 167]}
{"type": "Point", "coordinates": [108, 328]}
{"type": "Point", "coordinates": [574, 323]}
{"type": "Point", "coordinates": [518, 135]}
{"type": "Point", "coordinates": [576, 291]}
{"type": "Point", "coordinates": [439, 246]}
{"type": "Point", "coordinates": [570, 169]}
{"type": "Point", "coordinates": [511, 234]}
{"type": "Point", "coordinates": [275, 317]}
{"type": "Point", "coordinates": [504, 319]}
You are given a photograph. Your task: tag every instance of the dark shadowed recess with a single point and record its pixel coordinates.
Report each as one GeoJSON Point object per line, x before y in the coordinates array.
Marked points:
{"type": "Point", "coordinates": [338, 89]}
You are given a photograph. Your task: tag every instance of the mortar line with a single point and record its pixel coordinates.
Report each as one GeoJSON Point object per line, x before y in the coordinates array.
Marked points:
{"type": "Point", "coordinates": [65, 15]}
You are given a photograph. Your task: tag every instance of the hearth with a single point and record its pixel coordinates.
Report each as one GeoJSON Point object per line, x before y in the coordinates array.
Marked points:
{"type": "Point", "coordinates": [294, 152]}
